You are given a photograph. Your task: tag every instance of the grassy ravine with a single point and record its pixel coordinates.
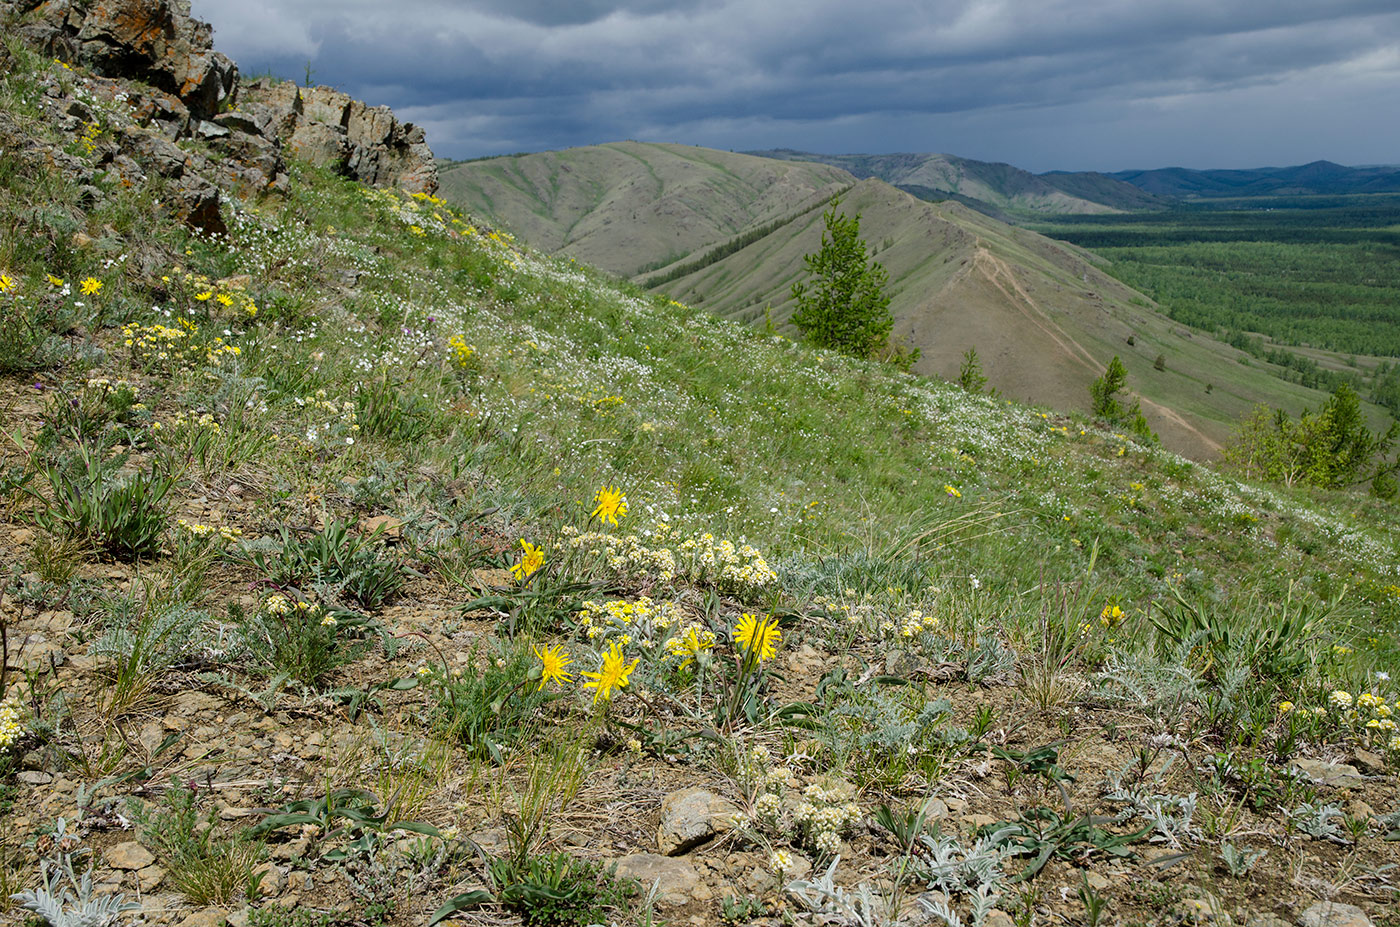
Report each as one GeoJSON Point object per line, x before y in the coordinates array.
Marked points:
{"type": "Point", "coordinates": [1022, 616]}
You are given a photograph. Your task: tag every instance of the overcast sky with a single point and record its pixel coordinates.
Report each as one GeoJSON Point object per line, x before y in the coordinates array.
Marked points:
{"type": "Point", "coordinates": [1042, 84]}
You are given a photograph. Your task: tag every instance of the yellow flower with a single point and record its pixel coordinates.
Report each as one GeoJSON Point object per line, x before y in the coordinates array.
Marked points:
{"type": "Point", "coordinates": [1110, 616]}
{"type": "Point", "coordinates": [552, 663]}
{"type": "Point", "coordinates": [758, 636]}
{"type": "Point", "coordinates": [611, 675]}
{"type": "Point", "coordinates": [690, 644]}
{"type": "Point", "coordinates": [205, 296]}
{"type": "Point", "coordinates": [91, 286]}
{"type": "Point", "coordinates": [952, 491]}
{"type": "Point", "coordinates": [225, 299]}
{"type": "Point", "coordinates": [530, 561]}
{"type": "Point", "coordinates": [611, 505]}
{"type": "Point", "coordinates": [7, 283]}
{"type": "Point", "coordinates": [1285, 707]}
{"type": "Point", "coordinates": [56, 281]}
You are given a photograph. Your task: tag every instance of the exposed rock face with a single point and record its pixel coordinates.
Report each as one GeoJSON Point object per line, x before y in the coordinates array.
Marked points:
{"type": "Point", "coordinates": [155, 41]}
{"type": "Point", "coordinates": [160, 62]}
{"type": "Point", "coordinates": [328, 128]}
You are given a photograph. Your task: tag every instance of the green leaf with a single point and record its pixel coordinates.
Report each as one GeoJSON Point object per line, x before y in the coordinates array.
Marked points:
{"type": "Point", "coordinates": [464, 902]}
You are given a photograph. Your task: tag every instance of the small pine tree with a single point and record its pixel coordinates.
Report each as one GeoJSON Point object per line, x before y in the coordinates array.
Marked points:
{"type": "Point", "coordinates": [970, 377]}
{"type": "Point", "coordinates": [846, 307]}
{"type": "Point", "coordinates": [1104, 395]}
{"type": "Point", "coordinates": [1104, 391]}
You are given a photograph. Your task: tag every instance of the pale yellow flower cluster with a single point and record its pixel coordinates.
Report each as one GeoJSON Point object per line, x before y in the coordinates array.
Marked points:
{"type": "Point", "coordinates": [203, 531]}
{"type": "Point", "coordinates": [278, 604]}
{"type": "Point", "coordinates": [10, 726]}
{"type": "Point", "coordinates": [825, 814]}
{"type": "Point", "coordinates": [174, 347]}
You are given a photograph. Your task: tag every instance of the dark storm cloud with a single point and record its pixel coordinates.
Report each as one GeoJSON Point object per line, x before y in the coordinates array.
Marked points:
{"type": "Point", "coordinates": [512, 75]}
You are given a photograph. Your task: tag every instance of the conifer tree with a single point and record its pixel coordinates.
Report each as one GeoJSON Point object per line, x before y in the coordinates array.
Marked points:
{"type": "Point", "coordinates": [846, 307]}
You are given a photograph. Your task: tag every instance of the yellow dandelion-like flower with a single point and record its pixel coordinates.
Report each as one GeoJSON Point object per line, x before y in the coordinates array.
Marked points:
{"type": "Point", "coordinates": [611, 675]}
{"type": "Point", "coordinates": [553, 661]}
{"type": "Point", "coordinates": [91, 286]}
{"type": "Point", "coordinates": [7, 283]}
{"type": "Point", "coordinates": [56, 281]}
{"type": "Point", "coordinates": [530, 561]}
{"type": "Point", "coordinates": [758, 636]}
{"type": "Point", "coordinates": [610, 504]}
{"type": "Point", "coordinates": [205, 296]}
{"type": "Point", "coordinates": [224, 299]}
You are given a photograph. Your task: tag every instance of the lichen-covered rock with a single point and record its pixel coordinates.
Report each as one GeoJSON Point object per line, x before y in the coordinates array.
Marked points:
{"type": "Point", "coordinates": [155, 153]}
{"type": "Point", "coordinates": [197, 204]}
{"type": "Point", "coordinates": [690, 817]}
{"type": "Point", "coordinates": [675, 879]}
{"type": "Point", "coordinates": [163, 64]}
{"type": "Point", "coordinates": [156, 41]}
{"type": "Point", "coordinates": [320, 144]}
{"type": "Point", "coordinates": [331, 129]}
{"type": "Point", "coordinates": [1334, 914]}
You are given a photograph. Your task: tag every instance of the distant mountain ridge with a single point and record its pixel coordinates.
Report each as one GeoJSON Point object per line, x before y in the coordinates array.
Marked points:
{"type": "Point", "coordinates": [1315, 178]}
{"type": "Point", "coordinates": [981, 184]}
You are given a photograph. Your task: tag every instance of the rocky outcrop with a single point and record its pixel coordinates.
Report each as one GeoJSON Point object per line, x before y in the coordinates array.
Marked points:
{"type": "Point", "coordinates": [160, 64]}
{"type": "Point", "coordinates": [153, 41]}
{"type": "Point", "coordinates": [330, 129]}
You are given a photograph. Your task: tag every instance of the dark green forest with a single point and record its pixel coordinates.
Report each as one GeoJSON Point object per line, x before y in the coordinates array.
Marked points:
{"type": "Point", "coordinates": [1317, 271]}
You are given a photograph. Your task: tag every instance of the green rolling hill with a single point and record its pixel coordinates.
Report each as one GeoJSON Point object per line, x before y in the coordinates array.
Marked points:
{"type": "Point", "coordinates": [1042, 315]}
{"type": "Point", "coordinates": [628, 206]}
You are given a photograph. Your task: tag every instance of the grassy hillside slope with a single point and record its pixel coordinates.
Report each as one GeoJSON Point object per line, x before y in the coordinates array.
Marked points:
{"type": "Point", "coordinates": [1043, 318]}
{"type": "Point", "coordinates": [363, 564]}
{"type": "Point", "coordinates": [629, 206]}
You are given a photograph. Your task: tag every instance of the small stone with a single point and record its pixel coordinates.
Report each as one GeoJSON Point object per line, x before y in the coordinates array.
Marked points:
{"type": "Point", "coordinates": [34, 777]}
{"type": "Point", "coordinates": [204, 917]}
{"type": "Point", "coordinates": [387, 526]}
{"type": "Point", "coordinates": [1266, 919]}
{"type": "Point", "coordinates": [1334, 914]}
{"type": "Point", "coordinates": [1372, 764]}
{"type": "Point", "coordinates": [999, 918]}
{"type": "Point", "coordinates": [272, 880]}
{"type": "Point", "coordinates": [129, 855]}
{"type": "Point", "coordinates": [490, 840]}
{"type": "Point", "coordinates": [935, 808]}
{"type": "Point", "coordinates": [974, 821]}
{"type": "Point", "coordinates": [690, 817]}
{"type": "Point", "coordinates": [150, 878]}
{"type": "Point", "coordinates": [674, 878]}
{"type": "Point", "coordinates": [1097, 881]}
{"type": "Point", "coordinates": [1337, 775]}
